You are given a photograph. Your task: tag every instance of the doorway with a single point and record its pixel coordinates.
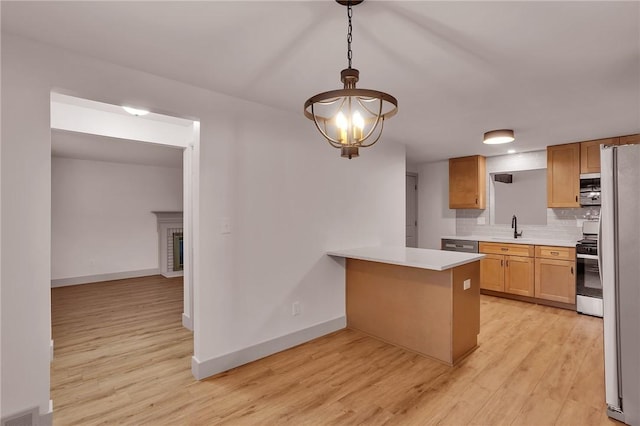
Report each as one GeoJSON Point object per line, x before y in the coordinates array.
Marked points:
{"type": "Point", "coordinates": [109, 133]}
{"type": "Point", "coordinates": [96, 137]}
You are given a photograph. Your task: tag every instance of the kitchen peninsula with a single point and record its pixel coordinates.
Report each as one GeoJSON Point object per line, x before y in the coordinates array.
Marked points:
{"type": "Point", "coordinates": [427, 301]}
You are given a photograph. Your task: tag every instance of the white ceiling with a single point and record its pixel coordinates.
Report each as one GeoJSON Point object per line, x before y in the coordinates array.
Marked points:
{"type": "Point", "coordinates": [553, 71]}
{"type": "Point", "coordinates": [84, 146]}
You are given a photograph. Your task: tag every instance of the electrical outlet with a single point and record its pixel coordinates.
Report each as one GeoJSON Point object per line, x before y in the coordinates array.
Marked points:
{"type": "Point", "coordinates": [481, 220]}
{"type": "Point", "coordinates": [467, 284]}
{"type": "Point", "coordinates": [295, 309]}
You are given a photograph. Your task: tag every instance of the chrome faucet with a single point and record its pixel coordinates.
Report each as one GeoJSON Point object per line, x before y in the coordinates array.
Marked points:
{"type": "Point", "coordinates": [514, 225]}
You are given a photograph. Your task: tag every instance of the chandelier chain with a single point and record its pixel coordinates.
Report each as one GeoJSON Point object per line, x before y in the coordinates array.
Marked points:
{"type": "Point", "coordinates": [349, 35]}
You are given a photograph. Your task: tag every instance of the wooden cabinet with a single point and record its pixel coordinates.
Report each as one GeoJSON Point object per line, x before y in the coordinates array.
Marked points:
{"type": "Point", "coordinates": [563, 175]}
{"type": "Point", "coordinates": [557, 253]}
{"type": "Point", "coordinates": [519, 273]}
{"type": "Point", "coordinates": [590, 154]}
{"type": "Point", "coordinates": [566, 162]}
{"type": "Point", "coordinates": [507, 249]}
{"type": "Point", "coordinates": [492, 272]}
{"type": "Point", "coordinates": [536, 272]}
{"type": "Point", "coordinates": [511, 272]}
{"type": "Point", "coordinates": [555, 274]}
{"type": "Point", "coordinates": [630, 139]}
{"type": "Point", "coordinates": [556, 280]}
{"type": "Point", "coordinates": [467, 182]}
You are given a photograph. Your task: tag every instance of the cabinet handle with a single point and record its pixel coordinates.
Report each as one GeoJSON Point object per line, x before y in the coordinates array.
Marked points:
{"type": "Point", "coordinates": [507, 263]}
{"type": "Point", "coordinates": [572, 270]}
{"type": "Point", "coordinates": [555, 253]}
{"type": "Point", "coordinates": [476, 200]}
{"type": "Point", "coordinates": [576, 198]}
{"type": "Point", "coordinates": [504, 249]}
{"type": "Point", "coordinates": [502, 263]}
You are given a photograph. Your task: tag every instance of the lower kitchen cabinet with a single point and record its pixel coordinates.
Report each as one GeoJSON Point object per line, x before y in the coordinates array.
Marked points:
{"type": "Point", "coordinates": [556, 280]}
{"type": "Point", "coordinates": [492, 272]}
{"type": "Point", "coordinates": [519, 272]}
{"type": "Point", "coordinates": [507, 273]}
{"type": "Point", "coordinates": [540, 273]}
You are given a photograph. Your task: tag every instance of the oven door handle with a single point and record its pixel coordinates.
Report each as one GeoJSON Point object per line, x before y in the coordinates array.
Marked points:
{"type": "Point", "coordinates": [587, 256]}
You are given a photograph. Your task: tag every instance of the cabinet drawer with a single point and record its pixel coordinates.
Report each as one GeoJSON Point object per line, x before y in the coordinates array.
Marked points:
{"type": "Point", "coordinates": [509, 249]}
{"type": "Point", "coordinates": [551, 252]}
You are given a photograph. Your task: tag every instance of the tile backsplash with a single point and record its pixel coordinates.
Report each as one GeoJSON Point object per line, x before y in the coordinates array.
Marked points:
{"type": "Point", "coordinates": [562, 224]}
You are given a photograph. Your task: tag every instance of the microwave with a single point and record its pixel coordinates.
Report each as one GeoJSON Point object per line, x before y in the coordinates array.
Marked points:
{"type": "Point", "coordinates": [590, 189]}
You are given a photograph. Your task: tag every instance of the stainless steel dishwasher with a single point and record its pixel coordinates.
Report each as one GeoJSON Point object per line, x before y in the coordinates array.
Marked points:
{"type": "Point", "coordinates": [467, 246]}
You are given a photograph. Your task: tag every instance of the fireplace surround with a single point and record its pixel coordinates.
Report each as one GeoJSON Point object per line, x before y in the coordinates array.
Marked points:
{"type": "Point", "coordinates": [170, 247]}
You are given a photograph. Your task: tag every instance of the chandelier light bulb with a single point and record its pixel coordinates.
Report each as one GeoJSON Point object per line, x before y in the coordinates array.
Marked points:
{"type": "Point", "coordinates": [358, 121]}
{"type": "Point", "coordinates": [341, 121]}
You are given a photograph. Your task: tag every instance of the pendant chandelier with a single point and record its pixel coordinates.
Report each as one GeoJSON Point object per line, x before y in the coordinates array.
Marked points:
{"type": "Point", "coordinates": [350, 118]}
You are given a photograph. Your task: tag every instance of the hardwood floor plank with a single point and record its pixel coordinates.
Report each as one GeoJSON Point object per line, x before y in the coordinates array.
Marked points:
{"type": "Point", "coordinates": [502, 407]}
{"type": "Point", "coordinates": [576, 414]}
{"type": "Point", "coordinates": [538, 410]}
{"type": "Point", "coordinates": [123, 357]}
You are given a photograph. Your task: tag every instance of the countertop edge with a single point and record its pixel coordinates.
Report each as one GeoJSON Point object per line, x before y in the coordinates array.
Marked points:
{"type": "Point", "coordinates": [528, 241]}
{"type": "Point", "coordinates": [470, 257]}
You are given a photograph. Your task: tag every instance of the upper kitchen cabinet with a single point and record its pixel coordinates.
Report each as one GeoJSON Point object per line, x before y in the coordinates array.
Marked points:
{"type": "Point", "coordinates": [630, 139]}
{"type": "Point", "coordinates": [590, 154]}
{"type": "Point", "coordinates": [563, 175]}
{"type": "Point", "coordinates": [467, 185]}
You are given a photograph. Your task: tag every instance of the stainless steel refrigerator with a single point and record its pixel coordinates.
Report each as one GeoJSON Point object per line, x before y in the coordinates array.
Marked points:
{"type": "Point", "coordinates": [620, 267]}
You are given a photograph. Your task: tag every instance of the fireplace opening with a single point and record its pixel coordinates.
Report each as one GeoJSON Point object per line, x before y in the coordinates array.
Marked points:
{"type": "Point", "coordinates": [178, 256]}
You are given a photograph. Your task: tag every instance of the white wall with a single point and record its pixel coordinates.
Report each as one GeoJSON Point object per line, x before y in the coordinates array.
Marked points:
{"type": "Point", "coordinates": [289, 197]}
{"type": "Point", "coordinates": [101, 220]}
{"type": "Point", "coordinates": [435, 219]}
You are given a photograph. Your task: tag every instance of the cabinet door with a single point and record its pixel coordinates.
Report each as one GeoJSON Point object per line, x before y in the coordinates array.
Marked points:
{"type": "Point", "coordinates": [492, 272]}
{"type": "Point", "coordinates": [590, 154]}
{"type": "Point", "coordinates": [519, 275]}
{"type": "Point", "coordinates": [467, 182]}
{"type": "Point", "coordinates": [556, 280]}
{"type": "Point", "coordinates": [563, 175]}
{"type": "Point", "coordinates": [631, 139]}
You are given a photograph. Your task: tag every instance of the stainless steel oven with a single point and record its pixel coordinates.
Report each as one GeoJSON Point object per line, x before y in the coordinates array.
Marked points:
{"type": "Point", "coordinates": [588, 282]}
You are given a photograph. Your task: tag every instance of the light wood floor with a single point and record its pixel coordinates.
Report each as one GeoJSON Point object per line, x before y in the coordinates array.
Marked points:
{"type": "Point", "coordinates": [122, 357]}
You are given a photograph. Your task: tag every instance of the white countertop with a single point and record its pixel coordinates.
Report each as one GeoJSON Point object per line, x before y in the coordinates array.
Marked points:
{"type": "Point", "coordinates": [532, 241]}
{"type": "Point", "coordinates": [436, 260]}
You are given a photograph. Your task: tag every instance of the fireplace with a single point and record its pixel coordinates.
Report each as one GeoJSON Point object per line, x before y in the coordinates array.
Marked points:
{"type": "Point", "coordinates": [171, 244]}
{"type": "Point", "coordinates": [178, 256]}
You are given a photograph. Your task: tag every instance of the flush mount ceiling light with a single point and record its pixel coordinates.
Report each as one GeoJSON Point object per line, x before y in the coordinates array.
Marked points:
{"type": "Point", "coordinates": [135, 111]}
{"type": "Point", "coordinates": [496, 137]}
{"type": "Point", "coordinates": [350, 118]}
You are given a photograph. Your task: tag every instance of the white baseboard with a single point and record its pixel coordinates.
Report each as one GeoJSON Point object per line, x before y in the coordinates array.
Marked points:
{"type": "Point", "coordinates": [186, 322]}
{"type": "Point", "coordinates": [46, 419]}
{"type": "Point", "coordinates": [32, 416]}
{"type": "Point", "coordinates": [172, 274]}
{"type": "Point", "coordinates": [88, 279]}
{"type": "Point", "coordinates": [212, 366]}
